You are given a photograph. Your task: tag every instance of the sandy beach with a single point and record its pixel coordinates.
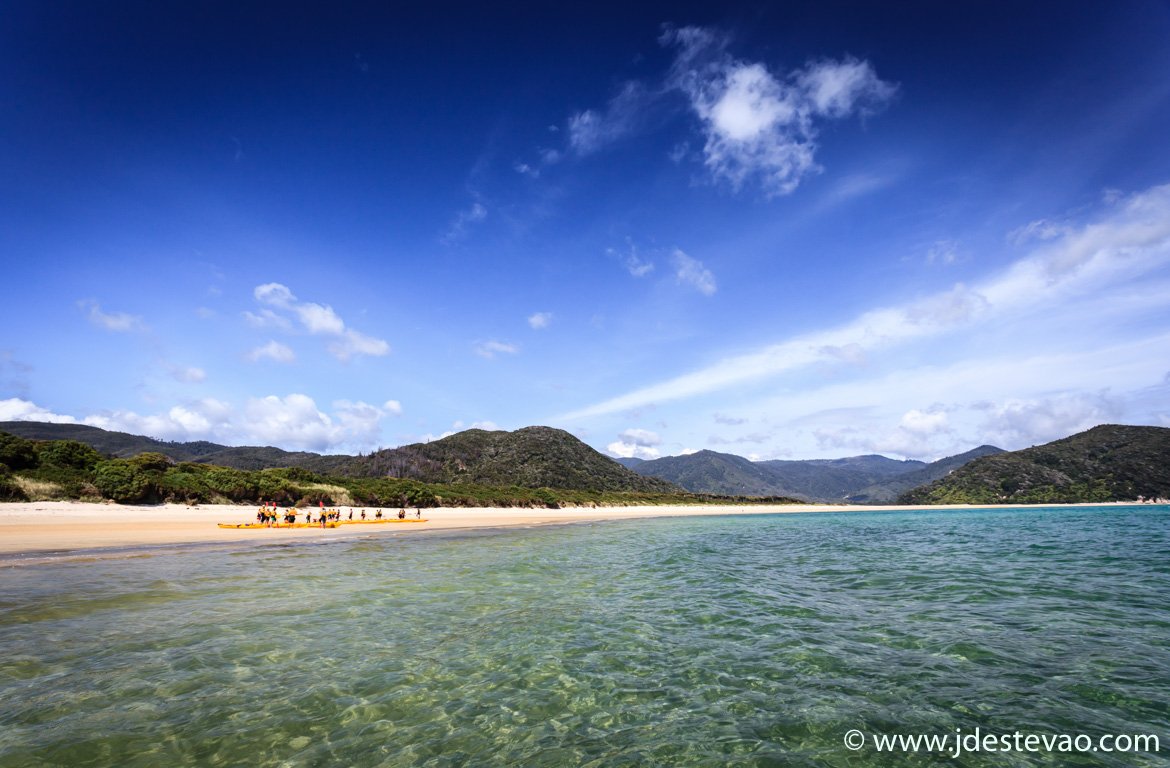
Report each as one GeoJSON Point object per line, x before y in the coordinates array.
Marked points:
{"type": "Point", "coordinates": [57, 526]}
{"type": "Point", "coordinates": [70, 526]}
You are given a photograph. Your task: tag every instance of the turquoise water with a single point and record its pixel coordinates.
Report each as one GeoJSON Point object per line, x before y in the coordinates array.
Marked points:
{"type": "Point", "coordinates": [746, 641]}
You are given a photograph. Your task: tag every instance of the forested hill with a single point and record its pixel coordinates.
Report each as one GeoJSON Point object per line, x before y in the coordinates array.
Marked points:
{"type": "Point", "coordinates": [1106, 463]}
{"type": "Point", "coordinates": [532, 457]}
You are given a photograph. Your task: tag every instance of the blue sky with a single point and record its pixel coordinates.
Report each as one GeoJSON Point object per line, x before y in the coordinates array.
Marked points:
{"type": "Point", "coordinates": [778, 230]}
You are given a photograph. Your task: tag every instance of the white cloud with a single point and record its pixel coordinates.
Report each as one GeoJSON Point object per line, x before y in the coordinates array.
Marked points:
{"type": "Point", "coordinates": [839, 88]}
{"type": "Point", "coordinates": [197, 420]}
{"type": "Point", "coordinates": [759, 126]}
{"type": "Point", "coordinates": [15, 409]}
{"type": "Point", "coordinates": [275, 294]}
{"type": "Point", "coordinates": [639, 443]}
{"type": "Point", "coordinates": [690, 271]}
{"type": "Point", "coordinates": [1020, 422]}
{"type": "Point", "coordinates": [539, 320]}
{"type": "Point", "coordinates": [316, 319]}
{"type": "Point", "coordinates": [119, 322]}
{"type": "Point", "coordinates": [924, 422]}
{"type": "Point", "coordinates": [1048, 289]}
{"type": "Point", "coordinates": [274, 351]}
{"type": "Point", "coordinates": [292, 422]}
{"type": "Point", "coordinates": [489, 349]}
{"type": "Point", "coordinates": [289, 421]}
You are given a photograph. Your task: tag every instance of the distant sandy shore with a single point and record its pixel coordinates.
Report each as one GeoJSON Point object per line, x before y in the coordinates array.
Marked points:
{"type": "Point", "coordinates": [64, 526]}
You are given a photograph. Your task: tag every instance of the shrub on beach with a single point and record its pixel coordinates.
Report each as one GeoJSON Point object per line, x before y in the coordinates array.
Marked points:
{"type": "Point", "coordinates": [67, 454]}
{"type": "Point", "coordinates": [122, 481]}
{"type": "Point", "coordinates": [271, 486]}
{"type": "Point", "coordinates": [17, 453]}
{"type": "Point", "coordinates": [9, 490]}
{"type": "Point", "coordinates": [183, 483]}
{"type": "Point", "coordinates": [232, 484]}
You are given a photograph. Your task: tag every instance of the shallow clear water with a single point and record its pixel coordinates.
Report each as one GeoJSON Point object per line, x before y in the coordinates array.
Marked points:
{"type": "Point", "coordinates": [748, 641]}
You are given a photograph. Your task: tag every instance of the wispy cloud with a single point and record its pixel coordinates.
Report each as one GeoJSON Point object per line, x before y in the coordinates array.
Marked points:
{"type": "Point", "coordinates": [118, 322]}
{"type": "Point", "coordinates": [316, 319]}
{"type": "Point", "coordinates": [690, 271]}
{"type": "Point", "coordinates": [1128, 242]}
{"type": "Point", "coordinates": [539, 320]}
{"type": "Point", "coordinates": [187, 375]}
{"type": "Point", "coordinates": [489, 349]}
{"type": "Point", "coordinates": [632, 260]}
{"type": "Point", "coordinates": [463, 220]}
{"type": "Point", "coordinates": [591, 130]}
{"type": "Point", "coordinates": [266, 318]}
{"type": "Point", "coordinates": [274, 351]}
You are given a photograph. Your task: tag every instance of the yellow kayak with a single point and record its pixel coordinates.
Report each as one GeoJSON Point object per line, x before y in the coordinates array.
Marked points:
{"type": "Point", "coordinates": [330, 524]}
{"type": "Point", "coordinates": [333, 524]}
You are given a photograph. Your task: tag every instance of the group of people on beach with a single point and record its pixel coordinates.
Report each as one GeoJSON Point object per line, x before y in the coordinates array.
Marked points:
{"type": "Point", "coordinates": [270, 515]}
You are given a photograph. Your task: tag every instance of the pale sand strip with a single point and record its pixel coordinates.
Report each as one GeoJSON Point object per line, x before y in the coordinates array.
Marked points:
{"type": "Point", "coordinates": [65, 525]}
{"type": "Point", "coordinates": [55, 526]}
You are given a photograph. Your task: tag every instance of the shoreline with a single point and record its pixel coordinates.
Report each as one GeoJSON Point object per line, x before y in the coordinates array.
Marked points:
{"type": "Point", "coordinates": [62, 528]}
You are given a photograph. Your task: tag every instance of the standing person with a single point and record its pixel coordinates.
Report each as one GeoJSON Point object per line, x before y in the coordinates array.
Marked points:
{"type": "Point", "coordinates": [417, 513]}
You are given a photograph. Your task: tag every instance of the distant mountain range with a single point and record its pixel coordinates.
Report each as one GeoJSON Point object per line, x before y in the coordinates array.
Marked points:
{"type": "Point", "coordinates": [1106, 463]}
{"type": "Point", "coordinates": [857, 479]}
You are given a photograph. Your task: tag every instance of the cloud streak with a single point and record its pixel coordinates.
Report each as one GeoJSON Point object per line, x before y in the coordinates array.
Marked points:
{"type": "Point", "coordinates": [1127, 242]}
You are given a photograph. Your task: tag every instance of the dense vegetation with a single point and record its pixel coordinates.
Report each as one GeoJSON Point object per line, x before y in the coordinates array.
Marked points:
{"type": "Point", "coordinates": [858, 479]}
{"type": "Point", "coordinates": [1106, 463]}
{"type": "Point", "coordinates": [69, 469]}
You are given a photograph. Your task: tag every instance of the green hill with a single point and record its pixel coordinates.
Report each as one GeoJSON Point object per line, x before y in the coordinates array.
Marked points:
{"type": "Point", "coordinates": [1106, 463]}
{"type": "Point", "coordinates": [533, 457]}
